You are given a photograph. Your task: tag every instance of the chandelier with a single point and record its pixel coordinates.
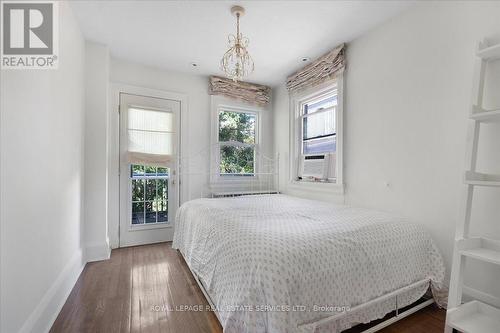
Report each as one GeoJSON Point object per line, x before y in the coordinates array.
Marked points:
{"type": "Point", "coordinates": [236, 62]}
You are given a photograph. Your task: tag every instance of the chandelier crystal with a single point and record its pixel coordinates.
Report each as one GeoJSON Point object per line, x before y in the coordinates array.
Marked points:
{"type": "Point", "coordinates": [237, 62]}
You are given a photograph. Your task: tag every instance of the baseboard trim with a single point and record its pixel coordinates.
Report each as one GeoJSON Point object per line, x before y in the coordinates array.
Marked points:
{"type": "Point", "coordinates": [482, 296]}
{"type": "Point", "coordinates": [46, 312]}
{"type": "Point", "coordinates": [98, 251]}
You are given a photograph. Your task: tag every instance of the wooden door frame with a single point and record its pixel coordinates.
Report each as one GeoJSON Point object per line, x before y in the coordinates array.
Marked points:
{"type": "Point", "coordinates": [113, 146]}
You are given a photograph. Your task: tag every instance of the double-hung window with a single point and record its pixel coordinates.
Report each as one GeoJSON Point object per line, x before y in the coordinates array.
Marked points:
{"type": "Point", "coordinates": [236, 142]}
{"type": "Point", "coordinates": [318, 125]}
{"type": "Point", "coordinates": [317, 135]}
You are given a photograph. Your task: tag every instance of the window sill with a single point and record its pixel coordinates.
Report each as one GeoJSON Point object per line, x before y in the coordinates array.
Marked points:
{"type": "Point", "coordinates": [235, 181]}
{"type": "Point", "coordinates": [146, 226]}
{"type": "Point", "coordinates": [247, 184]}
{"type": "Point", "coordinates": [331, 188]}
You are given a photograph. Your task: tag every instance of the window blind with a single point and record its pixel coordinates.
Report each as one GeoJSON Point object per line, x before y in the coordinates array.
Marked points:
{"type": "Point", "coordinates": [245, 91]}
{"type": "Point", "coordinates": [151, 137]}
{"type": "Point", "coordinates": [319, 71]}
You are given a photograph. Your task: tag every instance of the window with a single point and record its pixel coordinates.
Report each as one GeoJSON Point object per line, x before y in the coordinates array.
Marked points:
{"type": "Point", "coordinates": [317, 135]}
{"type": "Point", "coordinates": [318, 125]}
{"type": "Point", "coordinates": [237, 139]}
{"type": "Point", "coordinates": [149, 194]}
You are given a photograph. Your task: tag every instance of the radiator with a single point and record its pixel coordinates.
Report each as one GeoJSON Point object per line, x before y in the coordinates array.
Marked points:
{"type": "Point", "coordinates": [240, 193]}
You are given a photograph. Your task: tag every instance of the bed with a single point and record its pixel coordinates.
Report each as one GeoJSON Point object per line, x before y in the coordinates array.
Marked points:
{"type": "Point", "coordinates": [276, 263]}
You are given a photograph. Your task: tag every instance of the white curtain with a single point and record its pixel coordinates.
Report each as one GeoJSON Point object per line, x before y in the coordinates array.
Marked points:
{"type": "Point", "coordinates": [151, 137]}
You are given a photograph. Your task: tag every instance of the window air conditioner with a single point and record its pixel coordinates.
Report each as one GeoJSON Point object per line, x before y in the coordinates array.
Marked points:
{"type": "Point", "coordinates": [318, 167]}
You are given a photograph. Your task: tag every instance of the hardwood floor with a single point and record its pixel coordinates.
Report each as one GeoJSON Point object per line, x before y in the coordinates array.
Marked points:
{"type": "Point", "coordinates": [127, 293]}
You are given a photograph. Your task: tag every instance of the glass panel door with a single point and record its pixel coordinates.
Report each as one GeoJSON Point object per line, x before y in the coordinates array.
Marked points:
{"type": "Point", "coordinates": [148, 193]}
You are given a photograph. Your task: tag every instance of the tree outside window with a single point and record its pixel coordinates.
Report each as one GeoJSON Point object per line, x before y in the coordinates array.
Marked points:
{"type": "Point", "coordinates": [237, 143]}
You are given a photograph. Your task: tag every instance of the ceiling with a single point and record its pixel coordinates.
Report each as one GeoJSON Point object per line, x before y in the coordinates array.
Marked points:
{"type": "Point", "coordinates": [173, 34]}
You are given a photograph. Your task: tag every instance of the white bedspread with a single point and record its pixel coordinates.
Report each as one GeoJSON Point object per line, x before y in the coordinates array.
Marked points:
{"type": "Point", "coordinates": [272, 263]}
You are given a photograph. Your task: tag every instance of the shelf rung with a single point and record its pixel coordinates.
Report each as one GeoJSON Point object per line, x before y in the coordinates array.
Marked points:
{"type": "Point", "coordinates": [474, 317]}
{"type": "Point", "coordinates": [479, 248]}
{"type": "Point", "coordinates": [484, 255]}
{"type": "Point", "coordinates": [490, 52]}
{"type": "Point", "coordinates": [485, 116]}
{"type": "Point", "coordinates": [481, 179]}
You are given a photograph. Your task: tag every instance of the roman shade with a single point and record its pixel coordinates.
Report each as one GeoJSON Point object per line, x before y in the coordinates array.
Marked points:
{"type": "Point", "coordinates": [151, 137]}
{"type": "Point", "coordinates": [319, 71]}
{"type": "Point", "coordinates": [248, 92]}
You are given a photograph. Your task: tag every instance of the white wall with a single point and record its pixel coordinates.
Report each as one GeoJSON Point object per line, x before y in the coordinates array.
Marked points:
{"type": "Point", "coordinates": [407, 94]}
{"type": "Point", "coordinates": [196, 135]}
{"type": "Point", "coordinates": [42, 123]}
{"type": "Point", "coordinates": [96, 152]}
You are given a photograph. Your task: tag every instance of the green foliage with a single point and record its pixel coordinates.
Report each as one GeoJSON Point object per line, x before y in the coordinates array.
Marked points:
{"type": "Point", "coordinates": [138, 190]}
{"type": "Point", "coordinates": [137, 169]}
{"type": "Point", "coordinates": [237, 159]}
{"type": "Point", "coordinates": [236, 126]}
{"type": "Point", "coordinates": [150, 169]}
{"type": "Point", "coordinates": [239, 127]}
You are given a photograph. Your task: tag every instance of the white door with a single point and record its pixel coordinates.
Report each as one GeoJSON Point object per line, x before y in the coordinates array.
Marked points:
{"type": "Point", "coordinates": [148, 188]}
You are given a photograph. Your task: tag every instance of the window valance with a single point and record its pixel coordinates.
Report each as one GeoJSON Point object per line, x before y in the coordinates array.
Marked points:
{"type": "Point", "coordinates": [320, 70]}
{"type": "Point", "coordinates": [248, 92]}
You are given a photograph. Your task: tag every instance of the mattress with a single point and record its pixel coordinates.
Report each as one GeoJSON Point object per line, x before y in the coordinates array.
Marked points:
{"type": "Point", "coordinates": [276, 263]}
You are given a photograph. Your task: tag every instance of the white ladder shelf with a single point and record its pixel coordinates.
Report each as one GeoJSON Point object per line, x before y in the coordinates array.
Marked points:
{"type": "Point", "coordinates": [474, 316]}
